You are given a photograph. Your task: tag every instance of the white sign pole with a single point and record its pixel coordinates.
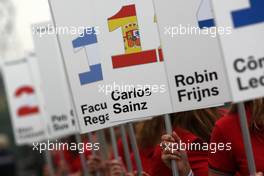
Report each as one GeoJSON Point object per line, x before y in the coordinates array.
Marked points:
{"type": "Point", "coordinates": [82, 156]}
{"type": "Point", "coordinates": [134, 146]}
{"type": "Point", "coordinates": [246, 138]}
{"type": "Point", "coordinates": [62, 158]}
{"type": "Point", "coordinates": [91, 139]}
{"type": "Point", "coordinates": [103, 143]}
{"type": "Point", "coordinates": [126, 148]}
{"type": "Point", "coordinates": [114, 143]}
{"type": "Point", "coordinates": [169, 131]}
{"type": "Point", "coordinates": [49, 162]}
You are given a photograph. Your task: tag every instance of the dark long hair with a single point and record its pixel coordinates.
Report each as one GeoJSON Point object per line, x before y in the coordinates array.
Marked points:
{"type": "Point", "coordinates": [150, 132]}
{"type": "Point", "coordinates": [199, 122]}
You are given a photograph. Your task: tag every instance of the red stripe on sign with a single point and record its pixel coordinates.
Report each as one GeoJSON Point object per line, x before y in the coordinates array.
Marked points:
{"type": "Point", "coordinates": [140, 58]}
{"type": "Point", "coordinates": [25, 111]}
{"type": "Point", "coordinates": [24, 90]}
{"type": "Point", "coordinates": [125, 11]}
{"type": "Point", "coordinates": [161, 55]}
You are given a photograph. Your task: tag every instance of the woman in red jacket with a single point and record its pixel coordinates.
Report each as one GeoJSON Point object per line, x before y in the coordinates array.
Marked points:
{"type": "Point", "coordinates": [193, 127]}
{"type": "Point", "coordinates": [227, 130]}
{"type": "Point", "coordinates": [148, 137]}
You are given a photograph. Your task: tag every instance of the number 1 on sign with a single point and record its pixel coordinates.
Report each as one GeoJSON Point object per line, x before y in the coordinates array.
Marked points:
{"type": "Point", "coordinates": [126, 19]}
{"type": "Point", "coordinates": [95, 74]}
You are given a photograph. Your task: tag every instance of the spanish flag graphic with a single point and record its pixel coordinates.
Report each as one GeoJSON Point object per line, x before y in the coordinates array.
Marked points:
{"type": "Point", "coordinates": [126, 19]}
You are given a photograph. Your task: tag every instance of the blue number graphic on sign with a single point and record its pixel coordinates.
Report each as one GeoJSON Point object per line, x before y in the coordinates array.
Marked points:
{"type": "Point", "coordinates": [95, 74]}
{"type": "Point", "coordinates": [249, 16]}
{"type": "Point", "coordinates": [205, 15]}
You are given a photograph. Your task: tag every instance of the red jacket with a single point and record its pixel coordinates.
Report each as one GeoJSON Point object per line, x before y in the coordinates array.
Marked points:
{"type": "Point", "coordinates": [227, 130]}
